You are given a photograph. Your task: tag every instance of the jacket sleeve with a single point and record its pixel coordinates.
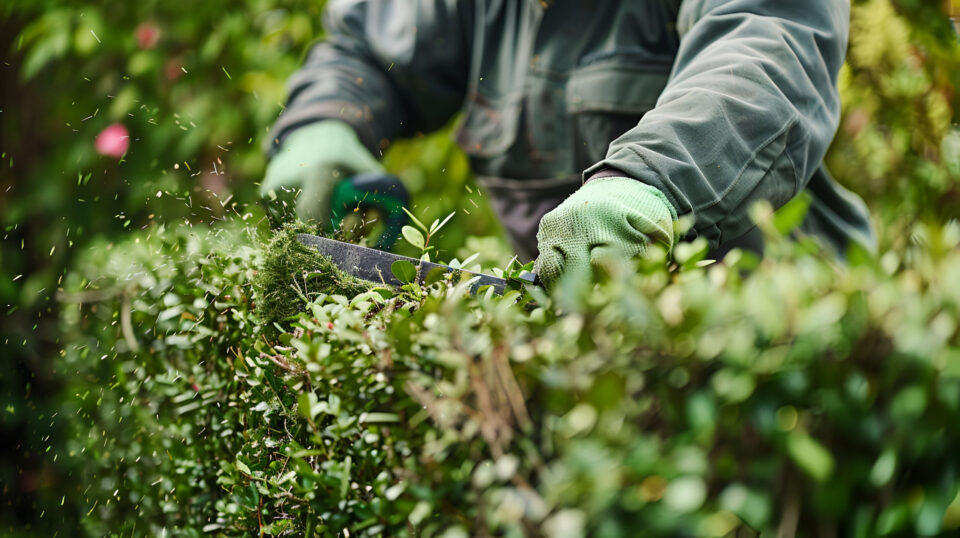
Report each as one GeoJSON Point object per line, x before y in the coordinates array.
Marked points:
{"type": "Point", "coordinates": [388, 68]}
{"type": "Point", "coordinates": [748, 113]}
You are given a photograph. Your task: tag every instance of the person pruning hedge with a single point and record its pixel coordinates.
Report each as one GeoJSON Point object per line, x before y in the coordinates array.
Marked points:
{"type": "Point", "coordinates": [592, 124]}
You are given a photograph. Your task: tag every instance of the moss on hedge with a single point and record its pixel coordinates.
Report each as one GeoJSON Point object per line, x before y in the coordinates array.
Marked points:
{"type": "Point", "coordinates": [289, 273]}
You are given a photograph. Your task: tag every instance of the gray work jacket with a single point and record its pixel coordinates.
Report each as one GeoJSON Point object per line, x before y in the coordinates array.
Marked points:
{"type": "Point", "coordinates": [718, 103]}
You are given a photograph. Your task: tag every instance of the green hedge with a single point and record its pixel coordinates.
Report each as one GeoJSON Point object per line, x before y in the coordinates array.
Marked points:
{"type": "Point", "coordinates": [681, 399]}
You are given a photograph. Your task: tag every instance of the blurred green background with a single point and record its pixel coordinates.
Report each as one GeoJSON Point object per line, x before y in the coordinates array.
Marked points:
{"type": "Point", "coordinates": [197, 85]}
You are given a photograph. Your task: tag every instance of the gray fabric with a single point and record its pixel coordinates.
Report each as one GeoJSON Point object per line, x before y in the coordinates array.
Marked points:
{"type": "Point", "coordinates": [389, 68]}
{"type": "Point", "coordinates": [748, 115]}
{"type": "Point", "coordinates": [717, 103]}
{"type": "Point", "coordinates": [520, 204]}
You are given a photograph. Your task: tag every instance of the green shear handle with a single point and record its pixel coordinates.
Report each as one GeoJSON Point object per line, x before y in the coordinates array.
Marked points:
{"type": "Point", "coordinates": [373, 190]}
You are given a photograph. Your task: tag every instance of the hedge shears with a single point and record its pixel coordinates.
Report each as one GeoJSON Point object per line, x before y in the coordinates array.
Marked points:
{"type": "Point", "coordinates": [385, 194]}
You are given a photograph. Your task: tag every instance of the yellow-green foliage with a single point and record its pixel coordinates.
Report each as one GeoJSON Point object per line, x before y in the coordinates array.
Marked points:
{"type": "Point", "coordinates": [896, 138]}
{"type": "Point", "coordinates": [878, 37]}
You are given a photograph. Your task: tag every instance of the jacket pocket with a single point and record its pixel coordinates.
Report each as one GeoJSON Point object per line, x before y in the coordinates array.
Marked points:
{"type": "Point", "coordinates": [606, 99]}
{"type": "Point", "coordinates": [488, 127]}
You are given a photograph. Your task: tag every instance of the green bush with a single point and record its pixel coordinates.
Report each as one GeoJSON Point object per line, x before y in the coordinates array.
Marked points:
{"type": "Point", "coordinates": [791, 395]}
{"type": "Point", "coordinates": [196, 86]}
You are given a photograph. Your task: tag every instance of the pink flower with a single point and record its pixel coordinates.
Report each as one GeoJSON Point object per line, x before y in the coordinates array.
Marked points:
{"type": "Point", "coordinates": [148, 34]}
{"type": "Point", "coordinates": [174, 68]}
{"type": "Point", "coordinates": [113, 141]}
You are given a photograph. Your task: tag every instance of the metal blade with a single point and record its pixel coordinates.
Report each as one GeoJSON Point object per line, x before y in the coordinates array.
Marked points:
{"type": "Point", "coordinates": [374, 265]}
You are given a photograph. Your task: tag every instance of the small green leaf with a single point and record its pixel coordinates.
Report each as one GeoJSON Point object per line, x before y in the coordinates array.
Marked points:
{"type": "Point", "coordinates": [334, 402]}
{"type": "Point", "coordinates": [434, 275]}
{"type": "Point", "coordinates": [788, 217]}
{"type": "Point", "coordinates": [420, 512]}
{"type": "Point", "coordinates": [404, 270]}
{"type": "Point", "coordinates": [509, 299]}
{"type": "Point", "coordinates": [909, 403]}
{"type": "Point", "coordinates": [685, 494]}
{"type": "Point", "coordinates": [753, 507]}
{"type": "Point", "coordinates": [688, 254]}
{"type": "Point", "coordinates": [414, 219]}
{"type": "Point", "coordinates": [893, 518]}
{"type": "Point", "coordinates": [811, 456]}
{"type": "Point", "coordinates": [386, 293]}
{"type": "Point", "coordinates": [242, 467]}
{"type": "Point", "coordinates": [345, 476]}
{"type": "Point", "coordinates": [434, 228]}
{"type": "Point", "coordinates": [413, 236]}
{"type": "Point", "coordinates": [371, 296]}
{"type": "Point", "coordinates": [394, 491]}
{"type": "Point", "coordinates": [702, 411]}
{"type": "Point", "coordinates": [951, 518]}
{"type": "Point", "coordinates": [306, 403]}
{"type": "Point", "coordinates": [733, 386]}
{"type": "Point", "coordinates": [379, 417]}
{"type": "Point", "coordinates": [883, 469]}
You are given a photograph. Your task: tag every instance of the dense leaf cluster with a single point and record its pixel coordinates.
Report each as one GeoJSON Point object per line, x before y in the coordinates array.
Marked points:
{"type": "Point", "coordinates": [789, 395]}
{"type": "Point", "coordinates": [196, 86]}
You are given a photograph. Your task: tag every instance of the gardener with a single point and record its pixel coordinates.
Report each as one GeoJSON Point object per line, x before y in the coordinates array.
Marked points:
{"type": "Point", "coordinates": [667, 107]}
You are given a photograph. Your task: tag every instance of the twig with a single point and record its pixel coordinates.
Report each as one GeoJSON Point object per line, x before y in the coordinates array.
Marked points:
{"type": "Point", "coordinates": [790, 517]}
{"type": "Point", "coordinates": [508, 382]}
{"type": "Point", "coordinates": [284, 364]}
{"type": "Point", "coordinates": [260, 516]}
{"type": "Point", "coordinates": [126, 324]}
{"type": "Point", "coordinates": [494, 428]}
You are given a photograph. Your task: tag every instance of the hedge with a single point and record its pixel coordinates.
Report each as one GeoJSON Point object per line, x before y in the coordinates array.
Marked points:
{"type": "Point", "coordinates": [792, 395]}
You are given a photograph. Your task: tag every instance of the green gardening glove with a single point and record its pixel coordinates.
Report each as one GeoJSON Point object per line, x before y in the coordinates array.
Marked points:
{"type": "Point", "coordinates": [608, 218]}
{"type": "Point", "coordinates": [310, 162]}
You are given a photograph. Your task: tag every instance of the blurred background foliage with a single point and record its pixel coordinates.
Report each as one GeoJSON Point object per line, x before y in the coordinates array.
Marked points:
{"type": "Point", "coordinates": [898, 145]}
{"type": "Point", "coordinates": [197, 85]}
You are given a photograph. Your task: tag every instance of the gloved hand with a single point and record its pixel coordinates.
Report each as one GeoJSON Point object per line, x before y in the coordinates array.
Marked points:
{"type": "Point", "coordinates": [311, 160]}
{"type": "Point", "coordinates": [611, 217]}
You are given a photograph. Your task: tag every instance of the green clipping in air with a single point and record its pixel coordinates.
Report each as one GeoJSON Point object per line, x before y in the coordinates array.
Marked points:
{"type": "Point", "coordinates": [290, 272]}
{"type": "Point", "coordinates": [608, 218]}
